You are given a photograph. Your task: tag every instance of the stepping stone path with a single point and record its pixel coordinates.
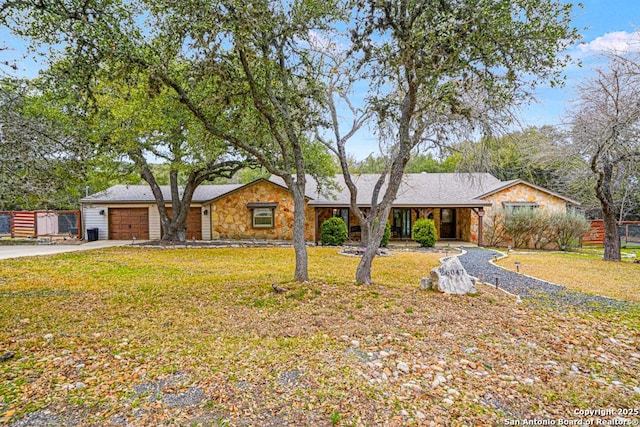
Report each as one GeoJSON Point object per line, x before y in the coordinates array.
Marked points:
{"type": "Point", "coordinates": [476, 262]}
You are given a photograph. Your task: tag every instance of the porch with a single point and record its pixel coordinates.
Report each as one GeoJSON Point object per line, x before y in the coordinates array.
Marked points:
{"type": "Point", "coordinates": [456, 225]}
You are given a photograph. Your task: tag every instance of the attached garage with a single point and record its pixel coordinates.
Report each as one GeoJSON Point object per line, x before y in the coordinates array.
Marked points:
{"type": "Point", "coordinates": [127, 223]}
{"type": "Point", "coordinates": [194, 223]}
{"type": "Point", "coordinates": [125, 211]}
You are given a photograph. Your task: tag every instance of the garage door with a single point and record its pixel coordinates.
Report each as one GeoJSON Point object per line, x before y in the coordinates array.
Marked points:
{"type": "Point", "coordinates": [194, 223]}
{"type": "Point", "coordinates": [127, 223]}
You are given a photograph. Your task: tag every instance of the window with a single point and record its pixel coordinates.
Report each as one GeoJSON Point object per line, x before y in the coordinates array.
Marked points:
{"type": "Point", "coordinates": [263, 217]}
{"type": "Point", "coordinates": [518, 206]}
{"type": "Point", "coordinates": [341, 213]}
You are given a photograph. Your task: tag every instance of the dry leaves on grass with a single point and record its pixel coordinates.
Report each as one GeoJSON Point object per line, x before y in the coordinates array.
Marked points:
{"type": "Point", "coordinates": [197, 336]}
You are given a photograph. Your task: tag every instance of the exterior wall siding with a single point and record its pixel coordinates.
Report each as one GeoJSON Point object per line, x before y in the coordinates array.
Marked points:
{"type": "Point", "coordinates": [155, 230]}
{"type": "Point", "coordinates": [91, 218]}
{"type": "Point", "coordinates": [232, 219]}
{"type": "Point", "coordinates": [463, 225]}
{"type": "Point", "coordinates": [206, 222]}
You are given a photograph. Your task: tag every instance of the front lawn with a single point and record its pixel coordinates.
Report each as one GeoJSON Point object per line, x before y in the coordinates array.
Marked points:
{"type": "Point", "coordinates": [144, 336]}
{"type": "Point", "coordinates": [582, 272]}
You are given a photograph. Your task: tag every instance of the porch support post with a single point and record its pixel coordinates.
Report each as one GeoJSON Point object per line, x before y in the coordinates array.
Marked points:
{"type": "Point", "coordinates": [480, 227]}
{"type": "Point", "coordinates": [316, 215]}
{"type": "Point", "coordinates": [480, 213]}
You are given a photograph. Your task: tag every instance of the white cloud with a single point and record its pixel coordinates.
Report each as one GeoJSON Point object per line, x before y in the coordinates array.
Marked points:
{"type": "Point", "coordinates": [616, 42]}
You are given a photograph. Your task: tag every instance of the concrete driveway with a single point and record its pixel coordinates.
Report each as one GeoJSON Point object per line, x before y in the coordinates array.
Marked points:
{"type": "Point", "coordinates": [18, 251]}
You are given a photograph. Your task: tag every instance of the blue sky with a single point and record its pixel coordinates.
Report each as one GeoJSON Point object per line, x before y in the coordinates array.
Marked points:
{"type": "Point", "coordinates": [604, 25]}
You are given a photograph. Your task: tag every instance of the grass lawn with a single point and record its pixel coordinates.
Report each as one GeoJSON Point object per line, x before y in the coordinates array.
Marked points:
{"type": "Point", "coordinates": [582, 272]}
{"type": "Point", "coordinates": [144, 336]}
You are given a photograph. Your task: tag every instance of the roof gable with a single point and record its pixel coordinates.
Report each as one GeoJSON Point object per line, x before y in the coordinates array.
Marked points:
{"type": "Point", "coordinates": [508, 184]}
{"type": "Point", "coordinates": [241, 187]}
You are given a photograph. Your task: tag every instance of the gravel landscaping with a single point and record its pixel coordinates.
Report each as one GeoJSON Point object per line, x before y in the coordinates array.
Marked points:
{"type": "Point", "coordinates": [477, 263]}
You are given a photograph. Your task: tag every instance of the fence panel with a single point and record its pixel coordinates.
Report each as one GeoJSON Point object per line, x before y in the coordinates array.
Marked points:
{"type": "Point", "coordinates": [24, 224]}
{"type": "Point", "coordinates": [5, 224]}
{"type": "Point", "coordinates": [29, 224]}
{"type": "Point", "coordinates": [68, 223]}
{"type": "Point", "coordinates": [629, 232]}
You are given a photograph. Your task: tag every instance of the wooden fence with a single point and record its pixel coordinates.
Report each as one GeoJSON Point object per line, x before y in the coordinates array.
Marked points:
{"type": "Point", "coordinates": [32, 224]}
{"type": "Point", "coordinates": [629, 232]}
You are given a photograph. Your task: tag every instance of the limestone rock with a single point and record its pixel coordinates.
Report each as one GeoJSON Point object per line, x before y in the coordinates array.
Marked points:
{"type": "Point", "coordinates": [450, 277]}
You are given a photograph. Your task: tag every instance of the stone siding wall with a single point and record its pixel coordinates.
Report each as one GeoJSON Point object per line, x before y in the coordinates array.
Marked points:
{"type": "Point", "coordinates": [517, 193]}
{"type": "Point", "coordinates": [463, 224]}
{"type": "Point", "coordinates": [232, 219]}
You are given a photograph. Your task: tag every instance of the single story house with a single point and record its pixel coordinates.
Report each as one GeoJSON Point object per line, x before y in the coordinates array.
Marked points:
{"type": "Point", "coordinates": [263, 209]}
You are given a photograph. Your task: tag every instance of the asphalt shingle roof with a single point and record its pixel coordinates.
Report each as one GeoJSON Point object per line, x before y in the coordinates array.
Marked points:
{"type": "Point", "coordinates": [142, 193]}
{"type": "Point", "coordinates": [419, 189]}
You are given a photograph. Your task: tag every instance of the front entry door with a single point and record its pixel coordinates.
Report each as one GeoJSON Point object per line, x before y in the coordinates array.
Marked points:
{"type": "Point", "coordinates": [447, 223]}
{"type": "Point", "coordinates": [401, 226]}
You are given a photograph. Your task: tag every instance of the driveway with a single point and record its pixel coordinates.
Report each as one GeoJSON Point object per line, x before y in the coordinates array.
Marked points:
{"type": "Point", "coordinates": [18, 251]}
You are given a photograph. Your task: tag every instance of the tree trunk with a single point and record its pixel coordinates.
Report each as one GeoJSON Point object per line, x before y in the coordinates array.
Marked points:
{"type": "Point", "coordinates": [605, 196]}
{"type": "Point", "coordinates": [611, 237]}
{"type": "Point", "coordinates": [364, 233]}
{"type": "Point", "coordinates": [363, 272]}
{"type": "Point", "coordinates": [299, 244]}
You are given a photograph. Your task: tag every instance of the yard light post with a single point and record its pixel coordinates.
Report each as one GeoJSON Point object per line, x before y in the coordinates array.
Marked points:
{"type": "Point", "coordinates": [496, 277]}
{"type": "Point", "coordinates": [517, 263]}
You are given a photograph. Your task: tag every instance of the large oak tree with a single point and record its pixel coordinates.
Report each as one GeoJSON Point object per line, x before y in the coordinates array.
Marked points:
{"type": "Point", "coordinates": [441, 70]}
{"type": "Point", "coordinates": [239, 68]}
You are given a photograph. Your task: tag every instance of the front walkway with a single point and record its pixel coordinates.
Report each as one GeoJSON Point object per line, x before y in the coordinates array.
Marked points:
{"type": "Point", "coordinates": [476, 262]}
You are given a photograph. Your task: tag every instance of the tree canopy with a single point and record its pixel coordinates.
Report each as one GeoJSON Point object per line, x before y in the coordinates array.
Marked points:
{"type": "Point", "coordinates": [43, 154]}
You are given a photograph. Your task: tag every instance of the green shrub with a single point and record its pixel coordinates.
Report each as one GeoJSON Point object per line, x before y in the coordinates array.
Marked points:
{"type": "Point", "coordinates": [386, 236]}
{"type": "Point", "coordinates": [518, 224]}
{"type": "Point", "coordinates": [333, 232]}
{"type": "Point", "coordinates": [424, 232]}
{"type": "Point", "coordinates": [566, 229]}
{"type": "Point", "coordinates": [538, 229]}
{"type": "Point", "coordinates": [494, 233]}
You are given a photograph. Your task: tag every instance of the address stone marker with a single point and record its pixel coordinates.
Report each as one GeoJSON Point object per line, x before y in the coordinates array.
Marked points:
{"type": "Point", "coordinates": [450, 277]}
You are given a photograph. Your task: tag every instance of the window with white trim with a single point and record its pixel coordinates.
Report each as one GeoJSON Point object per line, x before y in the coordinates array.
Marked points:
{"type": "Point", "coordinates": [262, 217]}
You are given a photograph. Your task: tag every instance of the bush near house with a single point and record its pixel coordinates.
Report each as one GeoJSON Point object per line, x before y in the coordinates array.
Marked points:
{"type": "Point", "coordinates": [494, 233]}
{"type": "Point", "coordinates": [333, 232]}
{"type": "Point", "coordinates": [424, 232]}
{"type": "Point", "coordinates": [527, 228]}
{"type": "Point", "coordinates": [565, 230]}
{"type": "Point", "coordinates": [519, 225]}
{"type": "Point", "coordinates": [386, 236]}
